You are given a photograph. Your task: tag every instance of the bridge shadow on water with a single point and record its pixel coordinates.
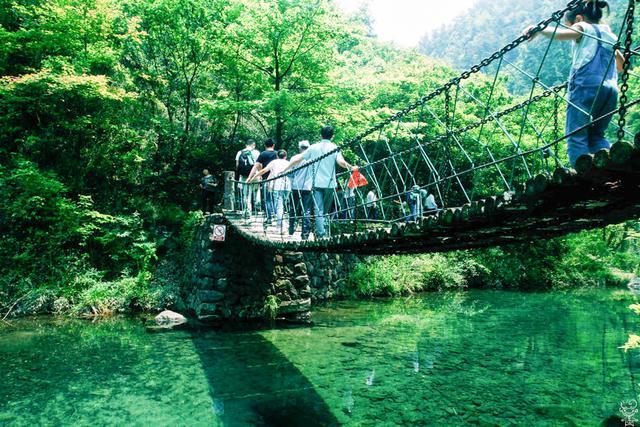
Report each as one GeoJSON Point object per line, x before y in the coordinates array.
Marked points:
{"type": "Point", "coordinates": [495, 357]}
{"type": "Point", "coordinates": [252, 383]}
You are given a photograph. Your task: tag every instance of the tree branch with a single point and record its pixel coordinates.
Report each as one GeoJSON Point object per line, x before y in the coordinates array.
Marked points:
{"type": "Point", "coordinates": [259, 121]}
{"type": "Point", "coordinates": [263, 69]}
{"type": "Point", "coordinates": [302, 38]}
{"type": "Point", "coordinates": [14, 304]}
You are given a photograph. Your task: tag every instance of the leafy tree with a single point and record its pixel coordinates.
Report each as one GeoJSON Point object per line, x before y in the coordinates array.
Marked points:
{"type": "Point", "coordinates": [291, 45]}
{"type": "Point", "coordinates": [178, 43]}
{"type": "Point", "coordinates": [110, 109]}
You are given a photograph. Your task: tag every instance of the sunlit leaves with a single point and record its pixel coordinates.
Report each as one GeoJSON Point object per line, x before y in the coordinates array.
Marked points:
{"type": "Point", "coordinates": [632, 343]}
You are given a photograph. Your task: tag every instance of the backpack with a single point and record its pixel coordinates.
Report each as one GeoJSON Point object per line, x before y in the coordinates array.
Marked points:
{"type": "Point", "coordinates": [245, 163]}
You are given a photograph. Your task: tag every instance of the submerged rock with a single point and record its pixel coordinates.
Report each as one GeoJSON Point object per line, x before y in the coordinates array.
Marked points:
{"type": "Point", "coordinates": [296, 306]}
{"type": "Point", "coordinates": [169, 319]}
{"type": "Point", "coordinates": [634, 285]}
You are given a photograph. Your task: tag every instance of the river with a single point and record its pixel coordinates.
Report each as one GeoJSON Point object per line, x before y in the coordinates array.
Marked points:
{"type": "Point", "coordinates": [474, 358]}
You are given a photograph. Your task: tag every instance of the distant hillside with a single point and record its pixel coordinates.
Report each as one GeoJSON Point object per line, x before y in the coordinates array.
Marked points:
{"type": "Point", "coordinates": [491, 24]}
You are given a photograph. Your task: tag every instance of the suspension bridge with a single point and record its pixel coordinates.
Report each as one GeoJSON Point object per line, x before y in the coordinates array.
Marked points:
{"type": "Point", "coordinates": [495, 164]}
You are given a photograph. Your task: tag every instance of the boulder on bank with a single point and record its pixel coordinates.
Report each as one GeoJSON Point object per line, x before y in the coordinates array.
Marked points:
{"type": "Point", "coordinates": [170, 319]}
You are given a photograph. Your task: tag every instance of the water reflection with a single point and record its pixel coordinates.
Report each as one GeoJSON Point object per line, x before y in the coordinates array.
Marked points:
{"type": "Point", "coordinates": [71, 372]}
{"type": "Point", "coordinates": [482, 357]}
{"type": "Point", "coordinates": [370, 377]}
{"type": "Point", "coordinates": [490, 357]}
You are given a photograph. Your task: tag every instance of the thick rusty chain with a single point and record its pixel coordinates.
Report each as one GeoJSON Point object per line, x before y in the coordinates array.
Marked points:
{"type": "Point", "coordinates": [624, 87]}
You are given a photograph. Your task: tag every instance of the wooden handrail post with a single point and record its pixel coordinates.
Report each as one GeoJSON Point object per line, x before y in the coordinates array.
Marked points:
{"type": "Point", "coordinates": [229, 199]}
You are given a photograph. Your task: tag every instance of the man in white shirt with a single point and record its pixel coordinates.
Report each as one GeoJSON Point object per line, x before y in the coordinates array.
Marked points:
{"type": "Point", "coordinates": [301, 200]}
{"type": "Point", "coordinates": [323, 174]}
{"type": "Point", "coordinates": [430, 204]}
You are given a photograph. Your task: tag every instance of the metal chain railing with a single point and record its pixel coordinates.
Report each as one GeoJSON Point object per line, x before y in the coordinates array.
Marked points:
{"type": "Point", "coordinates": [624, 87]}
{"type": "Point", "coordinates": [445, 162]}
{"type": "Point", "coordinates": [352, 143]}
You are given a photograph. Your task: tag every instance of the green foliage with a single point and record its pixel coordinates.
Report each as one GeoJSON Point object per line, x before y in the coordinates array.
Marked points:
{"type": "Point", "coordinates": [38, 222]}
{"type": "Point", "coordinates": [100, 297]}
{"type": "Point", "coordinates": [404, 275]}
{"type": "Point", "coordinates": [270, 308]}
{"type": "Point", "coordinates": [587, 259]}
{"type": "Point", "coordinates": [111, 108]}
{"type": "Point", "coordinates": [121, 237]}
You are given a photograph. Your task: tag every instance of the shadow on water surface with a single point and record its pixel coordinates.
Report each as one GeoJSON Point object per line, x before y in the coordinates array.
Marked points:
{"type": "Point", "coordinates": [116, 372]}
{"type": "Point", "coordinates": [253, 383]}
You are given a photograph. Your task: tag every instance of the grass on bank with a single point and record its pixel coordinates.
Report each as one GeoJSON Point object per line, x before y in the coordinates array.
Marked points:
{"type": "Point", "coordinates": [608, 257]}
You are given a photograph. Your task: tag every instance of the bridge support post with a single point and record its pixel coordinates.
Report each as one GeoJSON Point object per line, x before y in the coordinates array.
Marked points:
{"type": "Point", "coordinates": [235, 280]}
{"type": "Point", "coordinates": [229, 199]}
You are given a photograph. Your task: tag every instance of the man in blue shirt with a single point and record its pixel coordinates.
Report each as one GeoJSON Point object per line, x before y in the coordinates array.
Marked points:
{"type": "Point", "coordinates": [208, 185]}
{"type": "Point", "coordinates": [323, 174]}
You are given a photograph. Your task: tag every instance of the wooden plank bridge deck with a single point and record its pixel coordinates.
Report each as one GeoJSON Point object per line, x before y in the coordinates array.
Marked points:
{"type": "Point", "coordinates": [547, 206]}
{"type": "Point", "coordinates": [430, 145]}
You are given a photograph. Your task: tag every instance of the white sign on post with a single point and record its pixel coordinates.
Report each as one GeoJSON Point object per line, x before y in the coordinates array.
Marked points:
{"type": "Point", "coordinates": [219, 233]}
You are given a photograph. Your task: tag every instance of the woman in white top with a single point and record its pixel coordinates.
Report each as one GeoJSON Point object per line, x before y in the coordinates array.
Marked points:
{"type": "Point", "coordinates": [281, 186]}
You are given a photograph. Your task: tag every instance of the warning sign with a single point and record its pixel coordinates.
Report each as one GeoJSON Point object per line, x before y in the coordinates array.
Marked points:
{"type": "Point", "coordinates": [219, 233]}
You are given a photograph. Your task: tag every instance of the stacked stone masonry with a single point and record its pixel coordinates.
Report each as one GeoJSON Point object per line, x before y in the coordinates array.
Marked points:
{"type": "Point", "coordinates": [328, 274]}
{"type": "Point", "coordinates": [237, 280]}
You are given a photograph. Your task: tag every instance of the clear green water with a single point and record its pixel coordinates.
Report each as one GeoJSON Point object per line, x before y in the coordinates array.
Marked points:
{"type": "Point", "coordinates": [488, 358]}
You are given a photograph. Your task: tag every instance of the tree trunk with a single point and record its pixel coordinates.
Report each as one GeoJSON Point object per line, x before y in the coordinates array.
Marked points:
{"type": "Point", "coordinates": [278, 111]}
{"type": "Point", "coordinates": [187, 109]}
{"type": "Point", "coordinates": [279, 129]}
{"type": "Point", "coordinates": [236, 123]}
{"type": "Point", "coordinates": [234, 132]}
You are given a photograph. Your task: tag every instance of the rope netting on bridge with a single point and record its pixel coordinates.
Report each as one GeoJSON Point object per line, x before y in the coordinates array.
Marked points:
{"type": "Point", "coordinates": [466, 141]}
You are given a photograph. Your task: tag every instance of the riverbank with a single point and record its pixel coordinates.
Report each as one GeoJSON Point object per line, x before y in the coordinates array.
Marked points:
{"type": "Point", "coordinates": [372, 279]}
{"type": "Point", "coordinates": [593, 259]}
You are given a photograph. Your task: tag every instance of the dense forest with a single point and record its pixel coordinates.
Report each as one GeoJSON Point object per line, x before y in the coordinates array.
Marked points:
{"type": "Point", "coordinates": [110, 109]}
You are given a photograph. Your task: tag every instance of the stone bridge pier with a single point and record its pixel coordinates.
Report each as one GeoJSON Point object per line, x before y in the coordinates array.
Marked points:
{"type": "Point", "coordinates": [235, 279]}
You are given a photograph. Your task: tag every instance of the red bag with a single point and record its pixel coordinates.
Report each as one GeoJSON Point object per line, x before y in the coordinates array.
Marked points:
{"type": "Point", "coordinates": [357, 180]}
